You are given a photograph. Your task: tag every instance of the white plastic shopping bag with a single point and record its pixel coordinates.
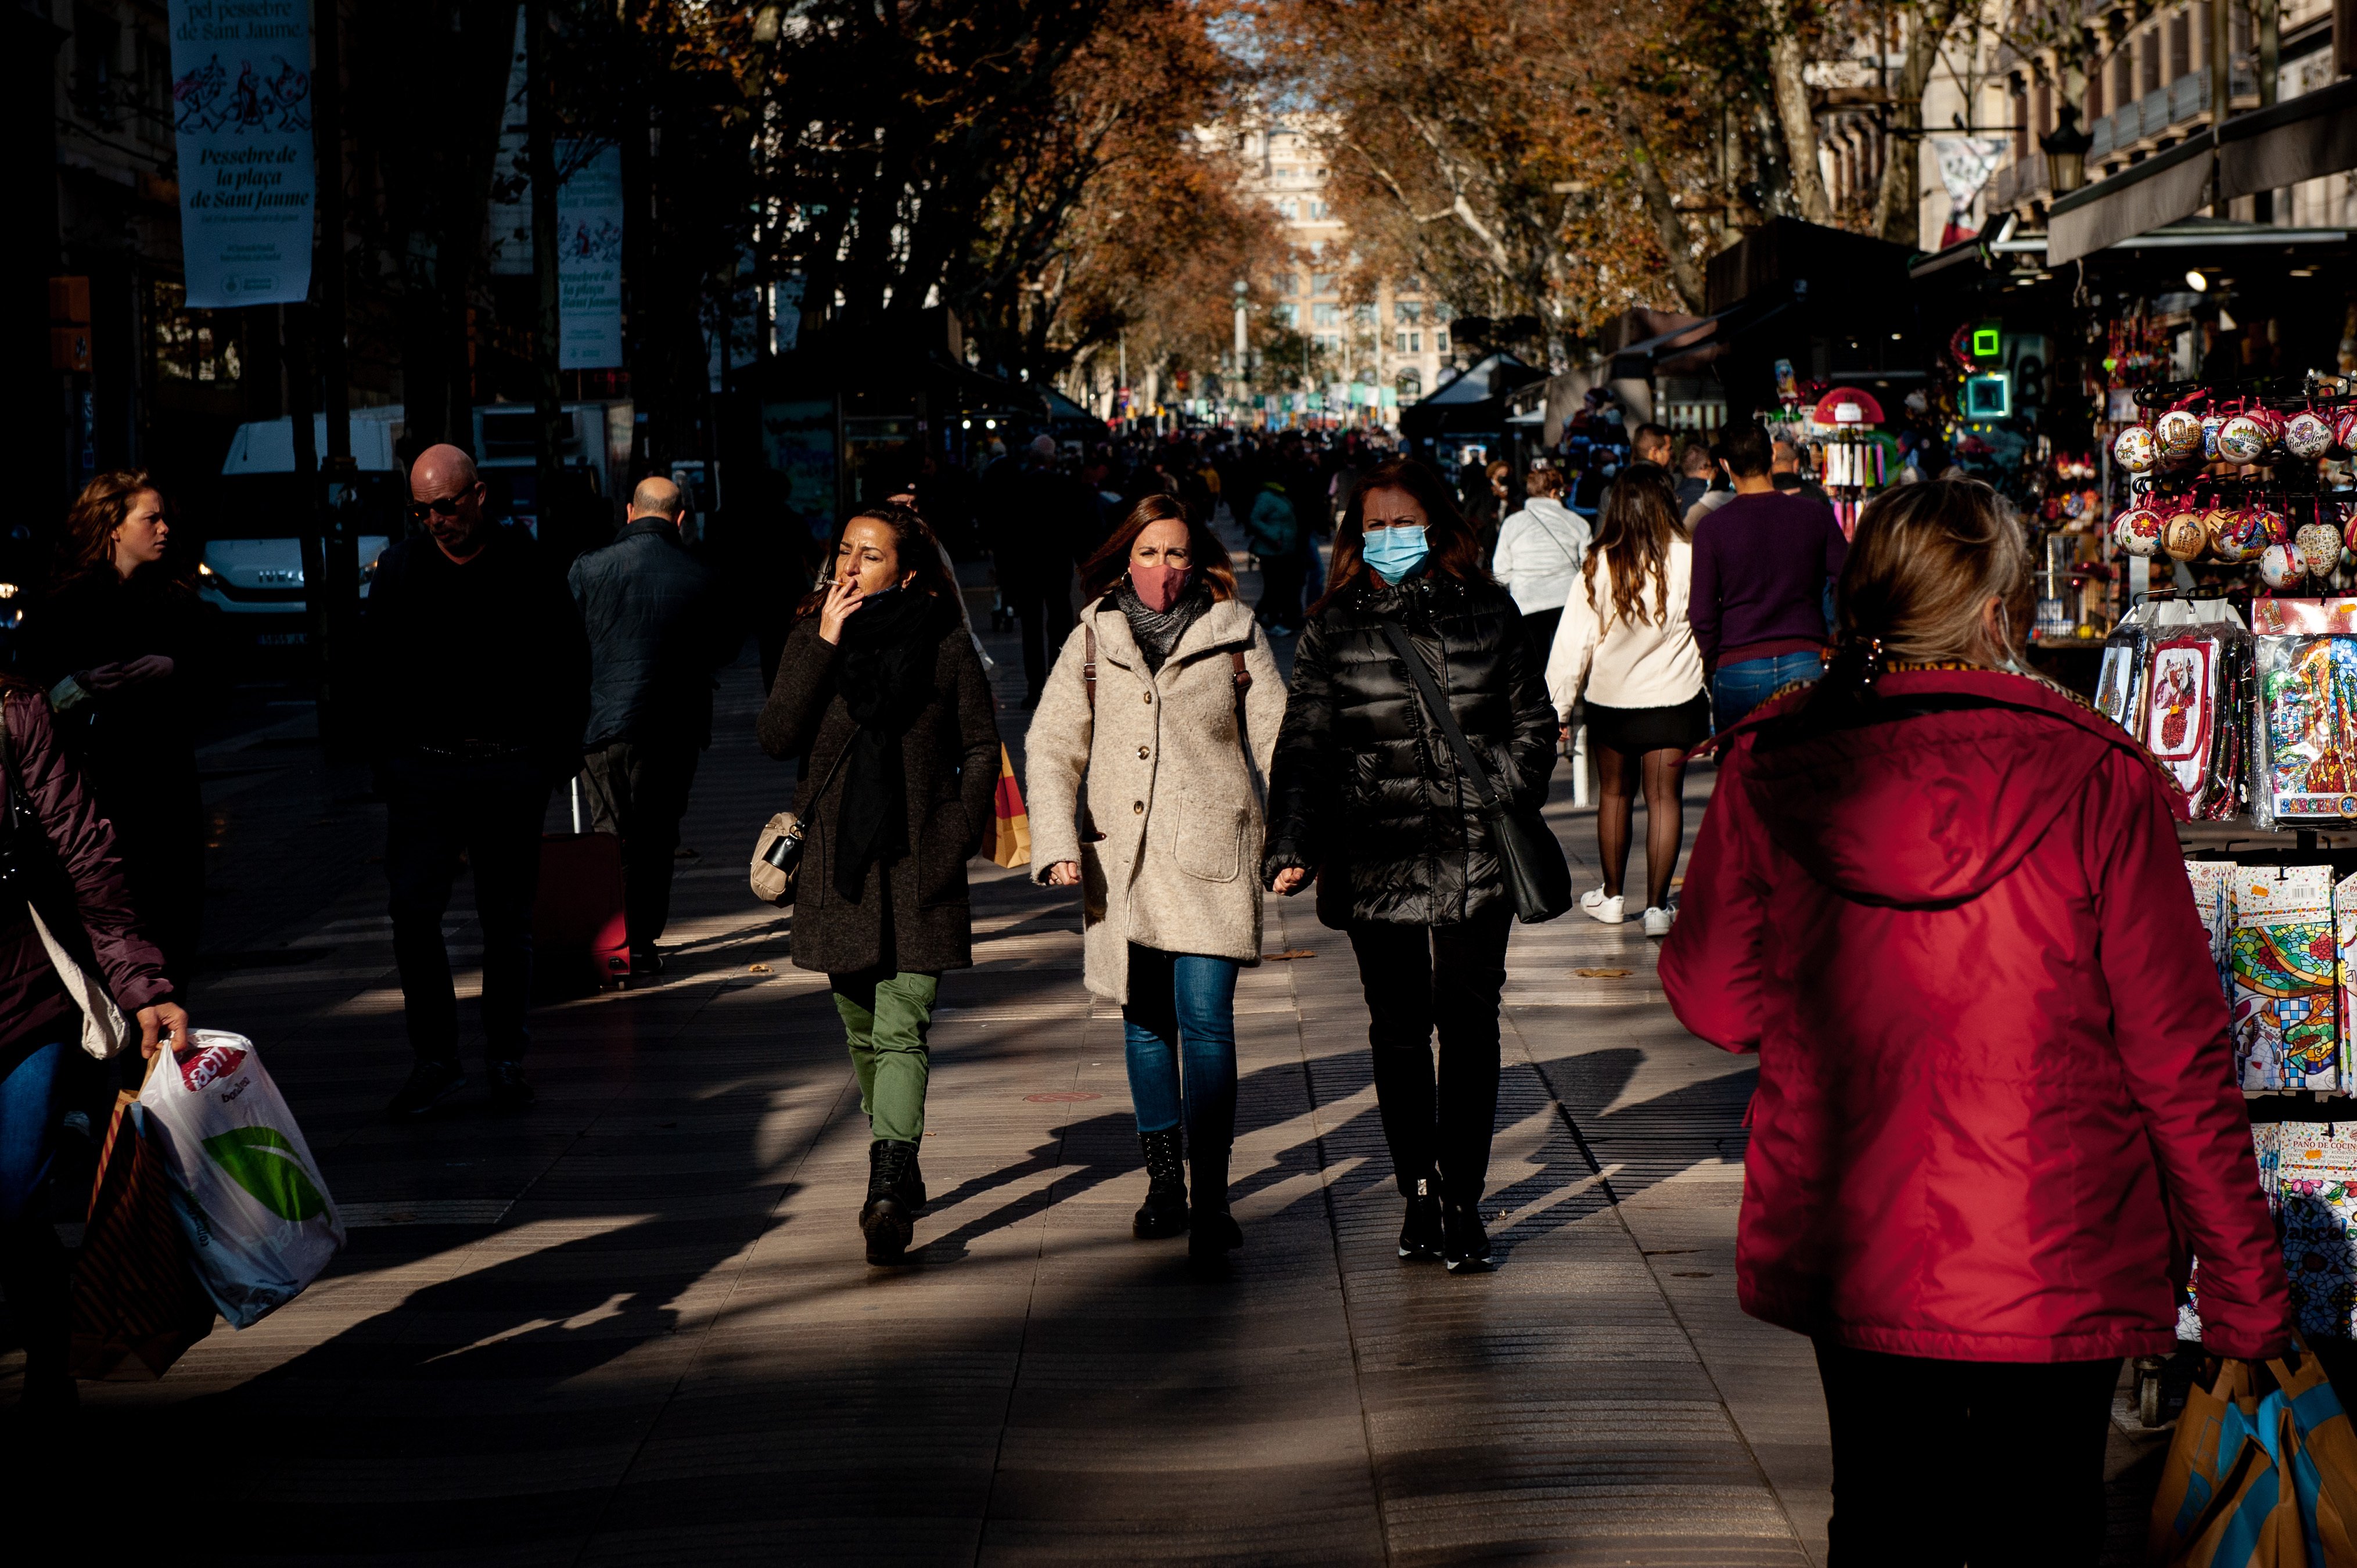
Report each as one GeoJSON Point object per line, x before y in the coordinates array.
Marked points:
{"type": "Point", "coordinates": [259, 1222]}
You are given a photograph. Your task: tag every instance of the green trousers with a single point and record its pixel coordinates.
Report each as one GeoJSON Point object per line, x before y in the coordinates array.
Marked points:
{"type": "Point", "coordinates": [886, 1016]}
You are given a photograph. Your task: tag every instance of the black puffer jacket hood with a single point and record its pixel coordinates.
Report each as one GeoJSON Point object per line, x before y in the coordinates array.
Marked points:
{"type": "Point", "coordinates": [1366, 789]}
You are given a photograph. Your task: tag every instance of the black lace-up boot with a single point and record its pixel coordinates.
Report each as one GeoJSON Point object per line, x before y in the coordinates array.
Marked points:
{"type": "Point", "coordinates": [887, 1219]}
{"type": "Point", "coordinates": [1212, 1231]}
{"type": "Point", "coordinates": [1164, 1212]}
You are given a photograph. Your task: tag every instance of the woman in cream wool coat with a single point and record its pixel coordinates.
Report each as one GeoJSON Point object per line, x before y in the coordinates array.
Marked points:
{"type": "Point", "coordinates": [1166, 845]}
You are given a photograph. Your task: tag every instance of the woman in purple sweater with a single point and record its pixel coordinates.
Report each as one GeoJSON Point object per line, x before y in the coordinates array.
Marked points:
{"type": "Point", "coordinates": [1760, 566]}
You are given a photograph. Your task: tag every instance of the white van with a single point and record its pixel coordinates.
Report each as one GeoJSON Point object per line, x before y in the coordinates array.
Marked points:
{"type": "Point", "coordinates": [254, 580]}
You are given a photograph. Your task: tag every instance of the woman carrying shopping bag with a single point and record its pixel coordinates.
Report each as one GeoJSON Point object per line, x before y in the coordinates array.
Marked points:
{"type": "Point", "coordinates": [880, 689]}
{"type": "Point", "coordinates": [1165, 703]}
{"type": "Point", "coordinates": [1626, 643]}
{"type": "Point", "coordinates": [1539, 551]}
{"type": "Point", "coordinates": [1369, 796]}
{"type": "Point", "coordinates": [1944, 903]}
{"type": "Point", "coordinates": [77, 973]}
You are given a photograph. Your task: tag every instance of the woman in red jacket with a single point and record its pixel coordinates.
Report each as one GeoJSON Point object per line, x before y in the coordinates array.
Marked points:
{"type": "Point", "coordinates": [1946, 904]}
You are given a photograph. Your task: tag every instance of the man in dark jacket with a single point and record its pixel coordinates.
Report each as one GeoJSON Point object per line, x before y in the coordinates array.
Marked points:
{"type": "Point", "coordinates": [480, 681]}
{"type": "Point", "coordinates": [656, 634]}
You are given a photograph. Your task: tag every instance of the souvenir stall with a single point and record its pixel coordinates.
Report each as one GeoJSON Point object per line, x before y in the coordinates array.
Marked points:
{"type": "Point", "coordinates": [2246, 695]}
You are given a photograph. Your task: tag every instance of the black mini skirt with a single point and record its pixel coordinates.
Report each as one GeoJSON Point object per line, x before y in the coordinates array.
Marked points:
{"type": "Point", "coordinates": [1634, 731]}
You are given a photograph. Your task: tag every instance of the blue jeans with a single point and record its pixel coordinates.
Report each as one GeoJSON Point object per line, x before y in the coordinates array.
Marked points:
{"type": "Point", "coordinates": [28, 1124]}
{"type": "Point", "coordinates": [1736, 689]}
{"type": "Point", "coordinates": [32, 1269]}
{"type": "Point", "coordinates": [1182, 1005]}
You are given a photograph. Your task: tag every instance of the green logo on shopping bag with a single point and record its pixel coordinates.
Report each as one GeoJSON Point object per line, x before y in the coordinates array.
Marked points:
{"type": "Point", "coordinates": [265, 1164]}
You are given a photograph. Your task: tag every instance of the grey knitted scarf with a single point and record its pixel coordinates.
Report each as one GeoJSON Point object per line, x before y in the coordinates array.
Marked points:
{"type": "Point", "coordinates": [1158, 631]}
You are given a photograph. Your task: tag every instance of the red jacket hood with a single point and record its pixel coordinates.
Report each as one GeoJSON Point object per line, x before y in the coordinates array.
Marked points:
{"type": "Point", "coordinates": [1930, 809]}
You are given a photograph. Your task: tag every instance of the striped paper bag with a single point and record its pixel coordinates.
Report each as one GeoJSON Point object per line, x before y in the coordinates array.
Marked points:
{"type": "Point", "coordinates": [1011, 838]}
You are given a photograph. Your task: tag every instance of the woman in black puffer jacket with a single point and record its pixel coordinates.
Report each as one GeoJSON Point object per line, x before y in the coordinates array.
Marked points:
{"type": "Point", "coordinates": [1366, 795]}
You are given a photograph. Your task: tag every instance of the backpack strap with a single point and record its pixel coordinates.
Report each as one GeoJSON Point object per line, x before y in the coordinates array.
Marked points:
{"type": "Point", "coordinates": [1088, 665]}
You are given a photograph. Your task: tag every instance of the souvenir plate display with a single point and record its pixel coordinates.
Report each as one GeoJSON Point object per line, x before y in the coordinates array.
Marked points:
{"type": "Point", "coordinates": [2305, 742]}
{"type": "Point", "coordinates": [2286, 979]}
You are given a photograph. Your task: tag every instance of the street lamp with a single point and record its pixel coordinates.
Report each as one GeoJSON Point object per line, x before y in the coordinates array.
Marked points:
{"type": "Point", "coordinates": [2065, 148]}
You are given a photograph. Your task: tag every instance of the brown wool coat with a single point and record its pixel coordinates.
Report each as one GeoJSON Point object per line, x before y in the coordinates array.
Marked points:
{"type": "Point", "coordinates": [1169, 783]}
{"type": "Point", "coordinates": [950, 759]}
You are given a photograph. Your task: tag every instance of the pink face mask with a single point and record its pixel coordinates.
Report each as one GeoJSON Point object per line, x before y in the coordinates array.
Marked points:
{"type": "Point", "coordinates": [1159, 587]}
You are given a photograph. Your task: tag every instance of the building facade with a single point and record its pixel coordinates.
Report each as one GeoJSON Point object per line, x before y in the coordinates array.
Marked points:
{"type": "Point", "coordinates": [1398, 341]}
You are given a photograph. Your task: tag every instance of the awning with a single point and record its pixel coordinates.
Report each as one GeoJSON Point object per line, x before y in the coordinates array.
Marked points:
{"type": "Point", "coordinates": [2305, 137]}
{"type": "Point", "coordinates": [2161, 189]}
{"type": "Point", "coordinates": [1639, 360]}
{"type": "Point", "coordinates": [2301, 138]}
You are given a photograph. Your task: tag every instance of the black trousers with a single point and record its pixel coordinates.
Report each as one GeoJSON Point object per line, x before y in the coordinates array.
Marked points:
{"type": "Point", "coordinates": [1540, 625]}
{"type": "Point", "coordinates": [491, 810]}
{"type": "Point", "coordinates": [1281, 577]}
{"type": "Point", "coordinates": [638, 791]}
{"type": "Point", "coordinates": [1423, 979]}
{"type": "Point", "coordinates": [1941, 1464]}
{"type": "Point", "coordinates": [1046, 614]}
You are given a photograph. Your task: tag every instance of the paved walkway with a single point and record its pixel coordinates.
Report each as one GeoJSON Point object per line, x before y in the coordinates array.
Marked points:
{"type": "Point", "coordinates": [635, 1322]}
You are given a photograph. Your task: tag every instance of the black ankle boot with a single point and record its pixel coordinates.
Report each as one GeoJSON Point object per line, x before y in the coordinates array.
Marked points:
{"type": "Point", "coordinates": [1164, 1213]}
{"type": "Point", "coordinates": [1212, 1232]}
{"type": "Point", "coordinates": [912, 1182]}
{"type": "Point", "coordinates": [887, 1219]}
{"type": "Point", "coordinates": [1420, 1233]}
{"type": "Point", "coordinates": [1464, 1243]}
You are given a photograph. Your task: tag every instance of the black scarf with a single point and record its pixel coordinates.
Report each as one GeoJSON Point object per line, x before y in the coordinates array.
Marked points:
{"type": "Point", "coordinates": [887, 666]}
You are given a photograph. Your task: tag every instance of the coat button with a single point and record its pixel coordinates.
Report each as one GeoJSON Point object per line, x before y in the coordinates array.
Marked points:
{"type": "Point", "coordinates": [1141, 754]}
{"type": "Point", "coordinates": [1138, 807]}
{"type": "Point", "coordinates": [1149, 698]}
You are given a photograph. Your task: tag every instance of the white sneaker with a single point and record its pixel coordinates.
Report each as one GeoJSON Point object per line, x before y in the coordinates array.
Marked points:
{"type": "Point", "coordinates": [1657, 921]}
{"type": "Point", "coordinates": [1598, 908]}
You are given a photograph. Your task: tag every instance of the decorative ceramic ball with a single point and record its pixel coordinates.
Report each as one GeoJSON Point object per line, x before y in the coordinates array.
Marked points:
{"type": "Point", "coordinates": [2234, 535]}
{"type": "Point", "coordinates": [2320, 543]}
{"type": "Point", "coordinates": [2138, 531]}
{"type": "Point", "coordinates": [2306, 434]}
{"type": "Point", "coordinates": [2182, 535]}
{"type": "Point", "coordinates": [2135, 449]}
{"type": "Point", "coordinates": [2274, 526]}
{"type": "Point", "coordinates": [2344, 432]}
{"type": "Point", "coordinates": [2178, 434]}
{"type": "Point", "coordinates": [2282, 566]}
{"type": "Point", "coordinates": [2242, 439]}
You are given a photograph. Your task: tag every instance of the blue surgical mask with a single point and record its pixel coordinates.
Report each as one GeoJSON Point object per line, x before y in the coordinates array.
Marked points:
{"type": "Point", "coordinates": [1397, 551]}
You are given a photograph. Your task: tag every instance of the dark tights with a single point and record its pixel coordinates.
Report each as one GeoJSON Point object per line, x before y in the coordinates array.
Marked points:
{"type": "Point", "coordinates": [1665, 817]}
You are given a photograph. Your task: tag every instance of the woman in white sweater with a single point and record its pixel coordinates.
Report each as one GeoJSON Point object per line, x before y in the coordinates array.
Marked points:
{"type": "Point", "coordinates": [1625, 642]}
{"type": "Point", "coordinates": [1539, 552]}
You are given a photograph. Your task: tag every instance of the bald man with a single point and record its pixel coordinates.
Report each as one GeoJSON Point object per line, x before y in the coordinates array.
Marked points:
{"type": "Point", "coordinates": [478, 680]}
{"type": "Point", "coordinates": [656, 632]}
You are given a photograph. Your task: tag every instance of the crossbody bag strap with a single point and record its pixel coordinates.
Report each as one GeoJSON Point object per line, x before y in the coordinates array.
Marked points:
{"type": "Point", "coordinates": [833, 769]}
{"type": "Point", "coordinates": [1089, 664]}
{"type": "Point", "coordinates": [1437, 707]}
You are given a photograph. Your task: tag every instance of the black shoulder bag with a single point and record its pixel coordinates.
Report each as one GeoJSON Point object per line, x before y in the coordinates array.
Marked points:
{"type": "Point", "coordinates": [1538, 878]}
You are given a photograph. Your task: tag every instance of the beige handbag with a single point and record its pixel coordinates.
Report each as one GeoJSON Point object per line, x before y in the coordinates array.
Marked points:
{"type": "Point", "coordinates": [778, 852]}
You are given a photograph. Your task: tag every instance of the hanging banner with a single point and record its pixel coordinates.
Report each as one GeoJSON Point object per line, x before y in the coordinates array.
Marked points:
{"type": "Point", "coordinates": [589, 260]}
{"type": "Point", "coordinates": [509, 220]}
{"type": "Point", "coordinates": [241, 119]}
{"type": "Point", "coordinates": [1965, 165]}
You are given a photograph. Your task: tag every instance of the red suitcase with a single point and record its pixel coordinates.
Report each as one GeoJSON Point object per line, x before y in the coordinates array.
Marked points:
{"type": "Point", "coordinates": [580, 942]}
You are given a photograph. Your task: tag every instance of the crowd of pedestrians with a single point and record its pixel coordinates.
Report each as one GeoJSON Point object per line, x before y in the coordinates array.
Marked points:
{"type": "Point", "coordinates": [1892, 791]}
